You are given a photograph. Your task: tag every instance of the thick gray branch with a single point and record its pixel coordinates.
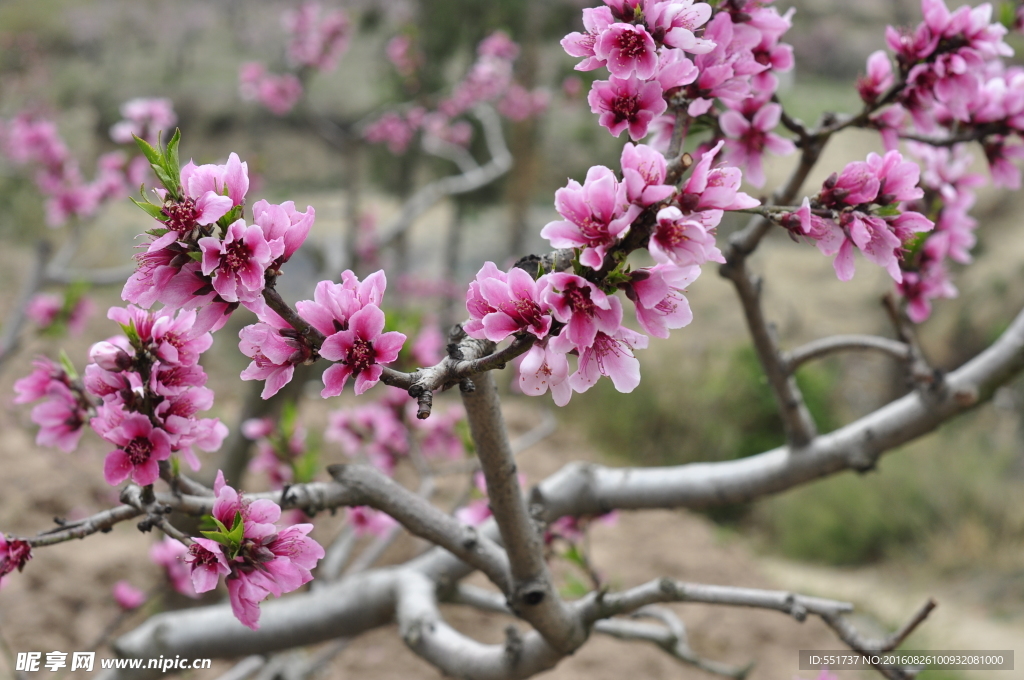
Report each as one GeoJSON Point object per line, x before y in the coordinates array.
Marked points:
{"type": "Point", "coordinates": [533, 594]}
{"type": "Point", "coordinates": [582, 489]}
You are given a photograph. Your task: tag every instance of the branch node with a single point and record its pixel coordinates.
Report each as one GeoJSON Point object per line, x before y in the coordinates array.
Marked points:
{"type": "Point", "coordinates": [466, 386]}
{"type": "Point", "coordinates": [426, 404]}
{"type": "Point", "coordinates": [514, 644]}
{"type": "Point", "coordinates": [454, 351]}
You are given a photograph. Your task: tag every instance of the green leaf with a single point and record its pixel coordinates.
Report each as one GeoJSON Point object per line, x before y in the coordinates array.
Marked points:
{"type": "Point", "coordinates": [891, 210]}
{"type": "Point", "coordinates": [157, 232]}
{"type": "Point", "coordinates": [198, 257]}
{"type": "Point", "coordinates": [1007, 15]}
{"type": "Point", "coordinates": [289, 414]}
{"type": "Point", "coordinates": [573, 555]}
{"type": "Point", "coordinates": [154, 211]}
{"type": "Point", "coordinates": [132, 333]}
{"type": "Point", "coordinates": [574, 588]}
{"type": "Point", "coordinates": [305, 467]}
{"type": "Point", "coordinates": [171, 155]}
{"type": "Point", "coordinates": [69, 368]}
{"type": "Point", "coordinates": [152, 155]}
{"type": "Point", "coordinates": [235, 535]}
{"type": "Point", "coordinates": [217, 536]}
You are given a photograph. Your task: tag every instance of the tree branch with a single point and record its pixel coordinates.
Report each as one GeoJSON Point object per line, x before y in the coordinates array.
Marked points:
{"type": "Point", "coordinates": [842, 343]}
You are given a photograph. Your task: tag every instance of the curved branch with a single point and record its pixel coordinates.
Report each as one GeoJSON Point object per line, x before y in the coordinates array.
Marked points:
{"type": "Point", "coordinates": [581, 489]}
{"type": "Point", "coordinates": [841, 343]}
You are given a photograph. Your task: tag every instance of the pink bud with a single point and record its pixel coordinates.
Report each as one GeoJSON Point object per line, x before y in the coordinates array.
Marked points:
{"type": "Point", "coordinates": [109, 356]}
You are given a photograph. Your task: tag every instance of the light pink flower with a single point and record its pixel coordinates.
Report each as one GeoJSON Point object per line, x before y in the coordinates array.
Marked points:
{"type": "Point", "coordinates": [359, 351]}
{"type": "Point", "coordinates": [367, 521]}
{"type": "Point", "coordinates": [595, 21]}
{"type": "Point", "coordinates": [170, 554]}
{"type": "Point", "coordinates": [879, 77]}
{"type": "Point", "coordinates": [657, 294]}
{"type": "Point", "coordinates": [643, 173]}
{"type": "Point", "coordinates": [674, 24]}
{"type": "Point", "coordinates": [611, 356]}
{"type": "Point", "coordinates": [334, 303]}
{"type": "Point", "coordinates": [752, 136]}
{"type": "Point", "coordinates": [143, 118]}
{"type": "Point", "coordinates": [627, 103]}
{"type": "Point", "coordinates": [544, 368]}
{"type": "Point", "coordinates": [283, 222]}
{"type": "Point", "coordinates": [681, 241]}
{"type": "Point", "coordinates": [275, 349]}
{"type": "Point", "coordinates": [61, 418]}
{"type": "Point", "coordinates": [43, 309]}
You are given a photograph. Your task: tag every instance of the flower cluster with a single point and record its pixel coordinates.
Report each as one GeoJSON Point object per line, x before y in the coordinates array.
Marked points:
{"type": "Point", "coordinates": [489, 79]}
{"type": "Point", "coordinates": [67, 406]}
{"type": "Point", "coordinates": [151, 386]}
{"type": "Point", "coordinates": [14, 553]}
{"type": "Point", "coordinates": [645, 45]}
{"type": "Point", "coordinates": [203, 255]}
{"type": "Point", "coordinates": [32, 140]}
{"type": "Point", "coordinates": [314, 43]}
{"type": "Point", "coordinates": [861, 208]}
{"type": "Point", "coordinates": [256, 558]}
{"type": "Point", "coordinates": [577, 313]}
{"type": "Point", "coordinates": [949, 78]}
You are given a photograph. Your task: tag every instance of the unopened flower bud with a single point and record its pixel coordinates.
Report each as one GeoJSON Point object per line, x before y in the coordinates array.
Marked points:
{"type": "Point", "coordinates": [109, 356]}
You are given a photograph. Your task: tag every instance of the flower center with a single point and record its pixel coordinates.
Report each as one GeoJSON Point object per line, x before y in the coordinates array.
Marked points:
{"type": "Point", "coordinates": [631, 44]}
{"type": "Point", "coordinates": [181, 217]}
{"type": "Point", "coordinates": [138, 450]}
{"type": "Point", "coordinates": [200, 556]}
{"type": "Point", "coordinates": [626, 106]}
{"type": "Point", "coordinates": [579, 300]}
{"type": "Point", "coordinates": [361, 356]}
{"type": "Point", "coordinates": [236, 255]}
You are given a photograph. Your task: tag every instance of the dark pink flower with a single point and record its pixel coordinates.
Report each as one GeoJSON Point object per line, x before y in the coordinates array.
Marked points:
{"type": "Point", "coordinates": [359, 351]}
{"type": "Point", "coordinates": [14, 553]}
{"type": "Point", "coordinates": [61, 418]}
{"type": "Point", "coordinates": [333, 304]}
{"type": "Point", "coordinates": [275, 349]}
{"type": "Point", "coordinates": [878, 79]}
{"type": "Point", "coordinates": [627, 49]}
{"type": "Point", "coordinates": [238, 263]}
{"type": "Point", "coordinates": [582, 306]}
{"type": "Point", "coordinates": [627, 103]}
{"type": "Point", "coordinates": [596, 214]}
{"type": "Point", "coordinates": [512, 305]}
{"type": "Point", "coordinates": [140, 448]}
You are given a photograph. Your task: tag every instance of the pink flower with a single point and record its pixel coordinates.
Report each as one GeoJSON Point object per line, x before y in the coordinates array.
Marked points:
{"type": "Point", "coordinates": [143, 118]}
{"type": "Point", "coordinates": [674, 23]}
{"type": "Point", "coordinates": [279, 93]}
{"type": "Point", "coordinates": [238, 263]}
{"type": "Point", "coordinates": [858, 183]}
{"type": "Point", "coordinates": [275, 349]}
{"type": "Point", "coordinates": [36, 384]}
{"type": "Point", "coordinates": [60, 418]}
{"type": "Point", "coordinates": [283, 222]}
{"type": "Point", "coordinates": [14, 553]}
{"type": "Point", "coordinates": [595, 21]}
{"type": "Point", "coordinates": [170, 555]}
{"type": "Point", "coordinates": [43, 309]}
{"type": "Point", "coordinates": [658, 296]}
{"type": "Point", "coordinates": [140, 448]}
{"type": "Point", "coordinates": [878, 79]}
{"type": "Point", "coordinates": [712, 189]}
{"type": "Point", "coordinates": [627, 49]}
{"type": "Point", "coordinates": [611, 356]}
{"type": "Point", "coordinates": [596, 214]}
{"type": "Point", "coordinates": [510, 302]}
{"type": "Point", "coordinates": [752, 137]}
{"type": "Point", "coordinates": [627, 103]}
{"type": "Point", "coordinates": [128, 597]}
{"type": "Point", "coordinates": [682, 241]}
{"type": "Point", "coordinates": [643, 173]}
{"type": "Point", "coordinates": [474, 513]}
{"type": "Point", "coordinates": [428, 348]}
{"type": "Point", "coordinates": [360, 351]}
{"type": "Point", "coordinates": [583, 307]}
{"type": "Point", "coordinates": [897, 179]}
{"type": "Point", "coordinates": [333, 304]}
{"type": "Point", "coordinates": [207, 563]}
{"type": "Point", "coordinates": [314, 41]}
{"type": "Point", "coordinates": [367, 521]}
{"type": "Point", "coordinates": [544, 368]}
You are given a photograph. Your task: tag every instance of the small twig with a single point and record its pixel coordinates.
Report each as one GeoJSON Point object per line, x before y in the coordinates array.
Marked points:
{"type": "Point", "coordinates": [842, 343]}
{"type": "Point", "coordinates": [857, 642]}
{"type": "Point", "coordinates": [19, 312]}
{"type": "Point", "coordinates": [928, 381]}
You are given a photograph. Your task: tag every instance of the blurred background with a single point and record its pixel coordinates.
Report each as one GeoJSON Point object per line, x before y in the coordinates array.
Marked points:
{"type": "Point", "coordinates": [942, 517]}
